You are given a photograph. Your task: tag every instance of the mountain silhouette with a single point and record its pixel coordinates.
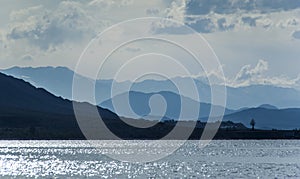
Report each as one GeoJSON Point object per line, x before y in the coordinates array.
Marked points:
{"type": "Point", "coordinates": [176, 106]}
{"type": "Point", "coordinates": [237, 97]}
{"type": "Point", "coordinates": [266, 116]}
{"type": "Point", "coordinates": [58, 81]}
{"type": "Point", "coordinates": [267, 106]}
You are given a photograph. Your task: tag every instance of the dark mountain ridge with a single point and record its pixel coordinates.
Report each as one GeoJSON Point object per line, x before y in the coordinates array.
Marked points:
{"type": "Point", "coordinates": [25, 106]}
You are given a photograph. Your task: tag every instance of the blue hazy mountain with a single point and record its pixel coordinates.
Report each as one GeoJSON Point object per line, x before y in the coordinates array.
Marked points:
{"type": "Point", "coordinates": [255, 95]}
{"type": "Point", "coordinates": [59, 82]}
{"type": "Point", "coordinates": [267, 106]}
{"type": "Point", "coordinates": [249, 96]}
{"type": "Point", "coordinates": [176, 106]}
{"type": "Point", "coordinates": [267, 118]}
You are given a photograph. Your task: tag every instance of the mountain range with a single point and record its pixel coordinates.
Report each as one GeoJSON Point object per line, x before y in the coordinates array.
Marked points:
{"type": "Point", "coordinates": [133, 104]}
{"type": "Point", "coordinates": [23, 105]}
{"type": "Point", "coordinates": [27, 112]}
{"type": "Point", "coordinates": [58, 81]}
{"type": "Point", "coordinates": [266, 116]}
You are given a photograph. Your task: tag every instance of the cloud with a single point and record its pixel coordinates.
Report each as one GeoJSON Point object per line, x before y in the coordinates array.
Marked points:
{"type": "Point", "coordinates": [264, 22]}
{"type": "Point", "coordinates": [204, 25]}
{"type": "Point", "coordinates": [63, 29]}
{"type": "Point", "coordinates": [207, 16]}
{"type": "Point", "coordinates": [296, 34]}
{"type": "Point", "coordinates": [22, 14]}
{"type": "Point", "coordinates": [27, 57]}
{"type": "Point", "coordinates": [110, 3]}
{"type": "Point", "coordinates": [214, 22]}
{"type": "Point", "coordinates": [176, 11]}
{"type": "Point", "coordinates": [248, 73]}
{"type": "Point", "coordinates": [48, 29]}
{"type": "Point", "coordinates": [152, 11]}
{"type": "Point", "coordinates": [202, 7]}
{"type": "Point", "coordinates": [56, 32]}
{"type": "Point", "coordinates": [288, 20]}
{"type": "Point", "coordinates": [223, 24]}
{"type": "Point", "coordinates": [72, 22]}
{"type": "Point", "coordinates": [256, 76]}
{"type": "Point", "coordinates": [280, 81]}
{"type": "Point", "coordinates": [261, 67]}
{"type": "Point", "coordinates": [170, 28]}
{"type": "Point", "coordinates": [250, 21]}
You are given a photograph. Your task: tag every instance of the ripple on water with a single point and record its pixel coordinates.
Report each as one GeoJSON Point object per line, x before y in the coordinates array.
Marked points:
{"type": "Point", "coordinates": [241, 159]}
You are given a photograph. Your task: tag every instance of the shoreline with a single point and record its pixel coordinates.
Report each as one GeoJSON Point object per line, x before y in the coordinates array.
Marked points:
{"type": "Point", "coordinates": [222, 134]}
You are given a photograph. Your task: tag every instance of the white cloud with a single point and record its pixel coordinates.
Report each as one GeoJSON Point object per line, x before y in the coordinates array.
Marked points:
{"type": "Point", "coordinates": [214, 22]}
{"type": "Point", "coordinates": [76, 21]}
{"type": "Point", "coordinates": [248, 73]}
{"type": "Point", "coordinates": [296, 34]}
{"type": "Point", "coordinates": [256, 76]}
{"type": "Point", "coordinates": [22, 14]}
{"type": "Point", "coordinates": [48, 29]}
{"type": "Point", "coordinates": [152, 11]}
{"type": "Point", "coordinates": [56, 35]}
{"type": "Point", "coordinates": [239, 20]}
{"type": "Point", "coordinates": [234, 6]}
{"type": "Point", "coordinates": [27, 57]}
{"type": "Point", "coordinates": [110, 3]}
{"type": "Point", "coordinates": [216, 76]}
{"type": "Point", "coordinates": [261, 67]}
{"type": "Point", "coordinates": [176, 11]}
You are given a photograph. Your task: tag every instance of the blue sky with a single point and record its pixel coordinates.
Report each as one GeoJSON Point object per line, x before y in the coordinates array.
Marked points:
{"type": "Point", "coordinates": [256, 41]}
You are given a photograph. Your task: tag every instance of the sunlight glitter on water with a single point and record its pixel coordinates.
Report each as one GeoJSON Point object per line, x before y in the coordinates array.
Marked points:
{"type": "Point", "coordinates": [79, 159]}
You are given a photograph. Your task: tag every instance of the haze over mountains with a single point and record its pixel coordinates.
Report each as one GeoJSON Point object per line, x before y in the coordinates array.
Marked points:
{"type": "Point", "coordinates": [258, 101]}
{"type": "Point", "coordinates": [59, 82]}
{"type": "Point", "coordinates": [139, 103]}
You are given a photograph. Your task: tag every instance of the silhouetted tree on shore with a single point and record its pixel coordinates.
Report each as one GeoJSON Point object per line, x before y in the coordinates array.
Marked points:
{"type": "Point", "coordinates": [252, 123]}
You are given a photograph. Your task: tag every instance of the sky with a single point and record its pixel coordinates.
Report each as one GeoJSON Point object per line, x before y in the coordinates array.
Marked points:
{"type": "Point", "coordinates": [256, 41]}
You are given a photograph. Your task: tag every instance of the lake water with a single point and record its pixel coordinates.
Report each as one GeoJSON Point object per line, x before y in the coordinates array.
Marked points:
{"type": "Point", "coordinates": [78, 159]}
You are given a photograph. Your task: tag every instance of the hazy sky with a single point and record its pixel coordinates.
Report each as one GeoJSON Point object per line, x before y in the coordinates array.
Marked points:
{"type": "Point", "coordinates": [256, 41]}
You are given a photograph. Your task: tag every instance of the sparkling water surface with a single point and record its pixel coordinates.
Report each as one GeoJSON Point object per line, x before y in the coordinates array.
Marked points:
{"type": "Point", "coordinates": [220, 159]}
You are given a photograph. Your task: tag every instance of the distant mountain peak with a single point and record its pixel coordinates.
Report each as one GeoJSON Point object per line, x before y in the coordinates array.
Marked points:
{"type": "Point", "coordinates": [267, 106]}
